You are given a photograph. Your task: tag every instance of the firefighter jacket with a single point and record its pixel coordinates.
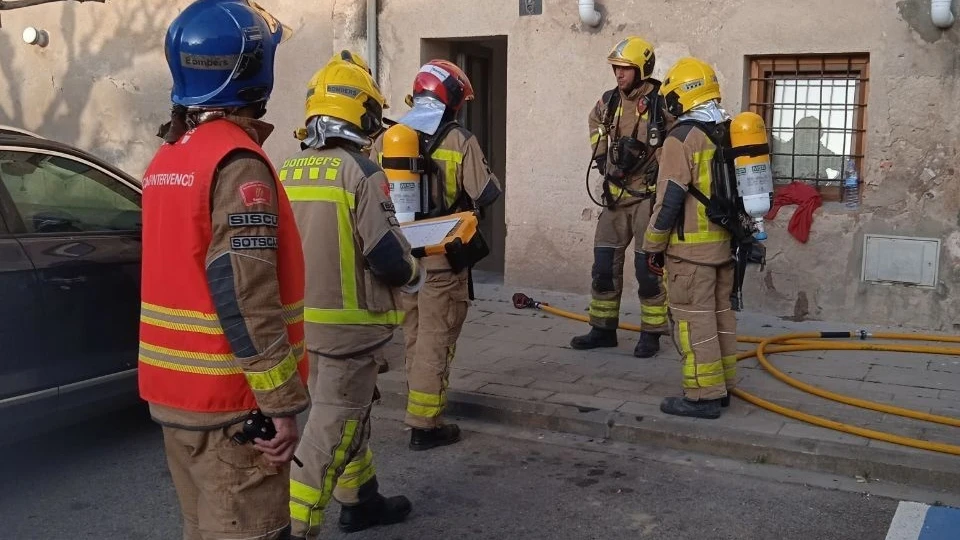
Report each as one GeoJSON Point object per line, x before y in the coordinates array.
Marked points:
{"type": "Point", "coordinates": [461, 178]}
{"type": "Point", "coordinates": [354, 250]}
{"type": "Point", "coordinates": [631, 115]}
{"type": "Point", "coordinates": [221, 329]}
{"type": "Point", "coordinates": [679, 224]}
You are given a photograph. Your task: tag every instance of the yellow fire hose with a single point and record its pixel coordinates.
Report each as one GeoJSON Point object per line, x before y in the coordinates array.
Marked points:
{"type": "Point", "coordinates": [812, 341]}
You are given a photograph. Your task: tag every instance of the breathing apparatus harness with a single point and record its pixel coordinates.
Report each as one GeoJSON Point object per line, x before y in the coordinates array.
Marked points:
{"type": "Point", "coordinates": [627, 154]}
{"type": "Point", "coordinates": [427, 168]}
{"type": "Point", "coordinates": [724, 206]}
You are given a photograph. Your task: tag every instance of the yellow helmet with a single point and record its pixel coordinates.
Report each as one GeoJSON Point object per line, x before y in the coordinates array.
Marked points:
{"type": "Point", "coordinates": [352, 57]}
{"type": "Point", "coordinates": [689, 83]}
{"type": "Point", "coordinates": [634, 52]}
{"type": "Point", "coordinates": [344, 90]}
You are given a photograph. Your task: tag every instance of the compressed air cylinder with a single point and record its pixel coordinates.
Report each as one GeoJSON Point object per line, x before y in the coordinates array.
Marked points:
{"type": "Point", "coordinates": [754, 174]}
{"type": "Point", "coordinates": [401, 148]}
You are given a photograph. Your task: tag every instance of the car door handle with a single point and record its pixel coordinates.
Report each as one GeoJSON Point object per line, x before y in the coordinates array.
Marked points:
{"type": "Point", "coordinates": [67, 280]}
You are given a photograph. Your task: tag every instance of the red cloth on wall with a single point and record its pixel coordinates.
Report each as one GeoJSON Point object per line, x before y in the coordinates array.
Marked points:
{"type": "Point", "coordinates": [808, 199]}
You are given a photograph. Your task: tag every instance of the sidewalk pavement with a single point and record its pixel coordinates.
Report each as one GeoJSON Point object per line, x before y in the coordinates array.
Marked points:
{"type": "Point", "coordinates": [516, 366]}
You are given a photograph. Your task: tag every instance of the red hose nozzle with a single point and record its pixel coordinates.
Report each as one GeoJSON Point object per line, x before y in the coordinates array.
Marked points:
{"type": "Point", "coordinates": [522, 301]}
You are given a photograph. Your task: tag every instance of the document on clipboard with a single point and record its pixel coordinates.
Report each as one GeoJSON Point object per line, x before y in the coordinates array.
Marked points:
{"type": "Point", "coordinates": [421, 234]}
{"type": "Point", "coordinates": [457, 236]}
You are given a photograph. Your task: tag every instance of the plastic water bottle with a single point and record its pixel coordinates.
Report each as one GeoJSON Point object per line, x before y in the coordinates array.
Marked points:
{"type": "Point", "coordinates": [851, 185]}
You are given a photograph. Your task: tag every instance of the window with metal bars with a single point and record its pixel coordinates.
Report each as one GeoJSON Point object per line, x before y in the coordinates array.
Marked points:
{"type": "Point", "coordinates": [815, 110]}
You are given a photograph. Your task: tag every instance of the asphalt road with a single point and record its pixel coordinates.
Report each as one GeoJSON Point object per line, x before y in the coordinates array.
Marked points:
{"type": "Point", "coordinates": [107, 479]}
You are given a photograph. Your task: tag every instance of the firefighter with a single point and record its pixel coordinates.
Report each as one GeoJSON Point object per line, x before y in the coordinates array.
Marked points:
{"type": "Point", "coordinates": [698, 270]}
{"type": "Point", "coordinates": [627, 127]}
{"type": "Point", "coordinates": [459, 179]}
{"type": "Point", "coordinates": [355, 255]}
{"type": "Point", "coordinates": [221, 328]}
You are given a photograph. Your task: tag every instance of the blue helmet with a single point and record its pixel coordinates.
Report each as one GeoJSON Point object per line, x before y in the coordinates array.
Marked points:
{"type": "Point", "coordinates": [221, 53]}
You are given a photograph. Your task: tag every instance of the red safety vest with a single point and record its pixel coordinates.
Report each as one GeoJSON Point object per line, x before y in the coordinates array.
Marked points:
{"type": "Point", "coordinates": [185, 358]}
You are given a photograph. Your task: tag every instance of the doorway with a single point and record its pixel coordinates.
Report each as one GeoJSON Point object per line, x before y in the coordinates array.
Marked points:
{"type": "Point", "coordinates": [484, 60]}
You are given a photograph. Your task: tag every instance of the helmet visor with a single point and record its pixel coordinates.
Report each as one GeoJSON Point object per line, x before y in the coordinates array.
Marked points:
{"type": "Point", "coordinates": [425, 116]}
{"type": "Point", "coordinates": [278, 30]}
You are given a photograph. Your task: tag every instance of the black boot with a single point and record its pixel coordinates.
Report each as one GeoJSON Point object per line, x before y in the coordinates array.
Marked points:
{"type": "Point", "coordinates": [425, 439]}
{"type": "Point", "coordinates": [598, 337]}
{"type": "Point", "coordinates": [709, 408]}
{"type": "Point", "coordinates": [378, 510]}
{"type": "Point", "coordinates": [725, 401]}
{"type": "Point", "coordinates": [648, 345]}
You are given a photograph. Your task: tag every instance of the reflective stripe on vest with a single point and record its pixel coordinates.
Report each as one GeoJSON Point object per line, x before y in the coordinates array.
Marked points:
{"type": "Point", "coordinates": [350, 313]}
{"type": "Point", "coordinates": [185, 360]}
{"type": "Point", "coordinates": [703, 160]}
{"type": "Point", "coordinates": [451, 160]}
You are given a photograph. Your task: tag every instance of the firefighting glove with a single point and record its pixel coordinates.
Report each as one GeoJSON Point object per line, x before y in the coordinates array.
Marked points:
{"type": "Point", "coordinates": [655, 263]}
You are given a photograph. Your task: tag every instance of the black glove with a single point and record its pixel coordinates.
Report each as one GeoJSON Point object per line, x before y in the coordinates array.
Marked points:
{"type": "Point", "coordinates": [601, 164]}
{"type": "Point", "coordinates": [655, 263]}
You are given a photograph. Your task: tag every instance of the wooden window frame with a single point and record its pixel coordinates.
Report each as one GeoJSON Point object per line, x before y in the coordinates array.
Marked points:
{"type": "Point", "coordinates": [765, 70]}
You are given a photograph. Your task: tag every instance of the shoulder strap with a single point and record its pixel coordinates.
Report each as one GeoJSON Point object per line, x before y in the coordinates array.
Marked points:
{"type": "Point", "coordinates": [367, 166]}
{"type": "Point", "coordinates": [611, 99]}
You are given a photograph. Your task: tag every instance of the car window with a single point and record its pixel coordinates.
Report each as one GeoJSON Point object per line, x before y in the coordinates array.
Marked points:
{"type": "Point", "coordinates": [56, 194]}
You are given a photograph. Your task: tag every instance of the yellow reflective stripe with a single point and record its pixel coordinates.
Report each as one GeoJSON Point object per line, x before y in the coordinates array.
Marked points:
{"type": "Point", "coordinates": [293, 313]}
{"type": "Point", "coordinates": [595, 137]}
{"type": "Point", "coordinates": [313, 517]}
{"type": "Point", "coordinates": [703, 234]}
{"type": "Point", "coordinates": [314, 173]}
{"type": "Point", "coordinates": [604, 309]}
{"type": "Point", "coordinates": [425, 405]}
{"type": "Point", "coordinates": [617, 192]}
{"type": "Point", "coordinates": [331, 174]}
{"type": "Point", "coordinates": [358, 472]}
{"type": "Point", "coordinates": [303, 492]}
{"type": "Point", "coordinates": [346, 201]}
{"type": "Point", "coordinates": [283, 175]}
{"type": "Point", "coordinates": [348, 259]}
{"type": "Point", "coordinates": [704, 161]}
{"type": "Point", "coordinates": [708, 237]}
{"type": "Point", "coordinates": [653, 315]}
{"type": "Point", "coordinates": [729, 367]}
{"type": "Point", "coordinates": [298, 174]}
{"type": "Point", "coordinates": [686, 354]}
{"type": "Point", "coordinates": [190, 368]}
{"type": "Point", "coordinates": [426, 399]}
{"type": "Point", "coordinates": [273, 378]}
{"type": "Point", "coordinates": [180, 312]}
{"type": "Point", "coordinates": [452, 159]}
{"type": "Point", "coordinates": [657, 237]}
{"type": "Point", "coordinates": [448, 155]}
{"type": "Point", "coordinates": [182, 327]}
{"type": "Point", "coordinates": [339, 460]}
{"type": "Point", "coordinates": [351, 316]}
{"type": "Point", "coordinates": [332, 194]}
{"type": "Point", "coordinates": [191, 355]}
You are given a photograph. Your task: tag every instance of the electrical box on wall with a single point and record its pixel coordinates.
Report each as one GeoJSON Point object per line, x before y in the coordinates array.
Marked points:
{"type": "Point", "coordinates": [900, 259]}
{"type": "Point", "coordinates": [531, 7]}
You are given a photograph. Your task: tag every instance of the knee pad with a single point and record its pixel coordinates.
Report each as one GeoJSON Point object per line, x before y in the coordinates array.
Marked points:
{"type": "Point", "coordinates": [603, 269]}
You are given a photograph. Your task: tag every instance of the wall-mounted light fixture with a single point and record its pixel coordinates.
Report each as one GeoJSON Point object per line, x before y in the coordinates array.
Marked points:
{"type": "Point", "coordinates": [36, 36]}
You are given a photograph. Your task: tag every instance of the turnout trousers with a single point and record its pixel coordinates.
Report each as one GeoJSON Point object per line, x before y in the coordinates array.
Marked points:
{"type": "Point", "coordinates": [616, 229]}
{"type": "Point", "coordinates": [704, 326]}
{"type": "Point", "coordinates": [337, 460]}
{"type": "Point", "coordinates": [431, 327]}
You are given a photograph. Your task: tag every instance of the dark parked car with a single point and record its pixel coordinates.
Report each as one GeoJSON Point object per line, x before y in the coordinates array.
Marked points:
{"type": "Point", "coordinates": [69, 282]}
